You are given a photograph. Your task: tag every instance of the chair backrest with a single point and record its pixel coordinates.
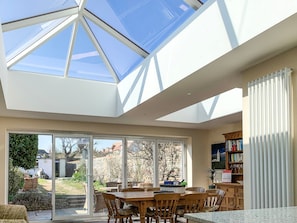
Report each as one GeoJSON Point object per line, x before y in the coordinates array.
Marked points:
{"type": "Point", "coordinates": [214, 199]}
{"type": "Point", "coordinates": [153, 189]}
{"type": "Point", "coordinates": [112, 184]}
{"type": "Point", "coordinates": [114, 210]}
{"type": "Point", "coordinates": [194, 202]}
{"type": "Point", "coordinates": [197, 189]}
{"type": "Point", "coordinates": [112, 204]}
{"type": "Point", "coordinates": [165, 205]}
{"type": "Point", "coordinates": [221, 194]}
{"type": "Point", "coordinates": [211, 201]}
{"type": "Point", "coordinates": [133, 189]}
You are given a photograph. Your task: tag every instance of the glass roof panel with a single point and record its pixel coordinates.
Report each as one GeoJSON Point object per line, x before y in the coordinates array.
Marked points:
{"type": "Point", "coordinates": [145, 22]}
{"type": "Point", "coordinates": [12, 10]}
{"type": "Point", "coordinates": [122, 58]}
{"type": "Point", "coordinates": [86, 62]}
{"type": "Point", "coordinates": [19, 39]}
{"type": "Point", "coordinates": [49, 58]}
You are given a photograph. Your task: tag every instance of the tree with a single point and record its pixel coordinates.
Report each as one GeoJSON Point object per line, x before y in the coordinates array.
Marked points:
{"type": "Point", "coordinates": [15, 180]}
{"type": "Point", "coordinates": [141, 160]}
{"type": "Point", "coordinates": [69, 146]}
{"type": "Point", "coordinates": [169, 161]}
{"type": "Point", "coordinates": [73, 146]}
{"type": "Point", "coordinates": [23, 150]}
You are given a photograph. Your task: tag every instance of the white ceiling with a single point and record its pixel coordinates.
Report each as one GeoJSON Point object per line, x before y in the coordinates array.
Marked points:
{"type": "Point", "coordinates": [220, 75]}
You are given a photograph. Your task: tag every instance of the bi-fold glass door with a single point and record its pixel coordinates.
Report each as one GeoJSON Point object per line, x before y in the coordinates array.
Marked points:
{"type": "Point", "coordinates": [73, 170]}
{"type": "Point", "coordinates": [84, 168]}
{"type": "Point", "coordinates": [72, 176]}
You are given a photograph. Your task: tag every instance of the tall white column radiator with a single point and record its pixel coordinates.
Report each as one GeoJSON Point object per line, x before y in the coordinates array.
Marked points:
{"type": "Point", "coordinates": [271, 166]}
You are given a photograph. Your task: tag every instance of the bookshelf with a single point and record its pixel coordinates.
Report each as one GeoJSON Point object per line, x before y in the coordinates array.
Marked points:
{"type": "Point", "coordinates": [234, 198]}
{"type": "Point", "coordinates": [234, 155]}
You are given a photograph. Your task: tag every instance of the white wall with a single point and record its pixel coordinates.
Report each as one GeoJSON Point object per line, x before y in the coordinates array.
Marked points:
{"type": "Point", "coordinates": [46, 165]}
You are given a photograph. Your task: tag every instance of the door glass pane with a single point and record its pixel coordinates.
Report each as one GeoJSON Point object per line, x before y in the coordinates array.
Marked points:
{"type": "Point", "coordinates": [71, 176]}
{"type": "Point", "coordinates": [140, 162]}
{"type": "Point", "coordinates": [107, 163]}
{"type": "Point", "coordinates": [30, 178]}
{"type": "Point", "coordinates": [170, 161]}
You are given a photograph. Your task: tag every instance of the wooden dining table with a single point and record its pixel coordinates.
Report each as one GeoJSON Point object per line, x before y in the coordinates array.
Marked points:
{"type": "Point", "coordinates": [143, 200]}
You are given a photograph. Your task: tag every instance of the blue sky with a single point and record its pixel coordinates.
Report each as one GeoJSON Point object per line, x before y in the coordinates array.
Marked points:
{"type": "Point", "coordinates": [45, 142]}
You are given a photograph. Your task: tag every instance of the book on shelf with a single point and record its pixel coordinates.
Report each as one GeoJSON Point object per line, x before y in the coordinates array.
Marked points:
{"type": "Point", "coordinates": [236, 157]}
{"type": "Point", "coordinates": [234, 145]}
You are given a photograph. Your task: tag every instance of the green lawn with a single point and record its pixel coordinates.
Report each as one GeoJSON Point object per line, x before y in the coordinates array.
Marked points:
{"type": "Point", "coordinates": [65, 186]}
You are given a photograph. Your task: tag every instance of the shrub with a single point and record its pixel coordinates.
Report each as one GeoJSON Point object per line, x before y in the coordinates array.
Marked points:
{"type": "Point", "coordinates": [15, 181]}
{"type": "Point", "coordinates": [80, 174]}
{"type": "Point", "coordinates": [33, 201]}
{"type": "Point", "coordinates": [23, 150]}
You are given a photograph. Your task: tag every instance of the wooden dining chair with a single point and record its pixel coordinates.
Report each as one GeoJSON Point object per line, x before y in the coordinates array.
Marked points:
{"type": "Point", "coordinates": [146, 185]}
{"type": "Point", "coordinates": [215, 199]}
{"type": "Point", "coordinates": [133, 208]}
{"type": "Point", "coordinates": [165, 207]}
{"type": "Point", "coordinates": [153, 189]}
{"type": "Point", "coordinates": [133, 189]}
{"type": "Point", "coordinates": [114, 210]}
{"type": "Point", "coordinates": [193, 203]}
{"type": "Point", "coordinates": [196, 189]}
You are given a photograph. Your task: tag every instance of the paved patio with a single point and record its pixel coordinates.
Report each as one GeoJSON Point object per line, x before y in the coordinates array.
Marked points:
{"type": "Point", "coordinates": [46, 216]}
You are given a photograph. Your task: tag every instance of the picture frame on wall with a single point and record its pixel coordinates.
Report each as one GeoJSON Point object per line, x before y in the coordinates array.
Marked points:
{"type": "Point", "coordinates": [218, 156]}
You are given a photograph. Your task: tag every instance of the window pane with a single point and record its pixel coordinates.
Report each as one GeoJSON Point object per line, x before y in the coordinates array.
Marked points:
{"type": "Point", "coordinates": [170, 161]}
{"type": "Point", "coordinates": [140, 161]}
{"type": "Point", "coordinates": [107, 162]}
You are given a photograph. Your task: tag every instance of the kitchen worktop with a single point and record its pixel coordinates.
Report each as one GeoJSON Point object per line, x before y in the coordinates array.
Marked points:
{"type": "Point", "coordinates": [269, 215]}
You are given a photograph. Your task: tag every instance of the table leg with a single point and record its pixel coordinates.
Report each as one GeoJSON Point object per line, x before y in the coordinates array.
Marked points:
{"type": "Point", "coordinates": [142, 211]}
